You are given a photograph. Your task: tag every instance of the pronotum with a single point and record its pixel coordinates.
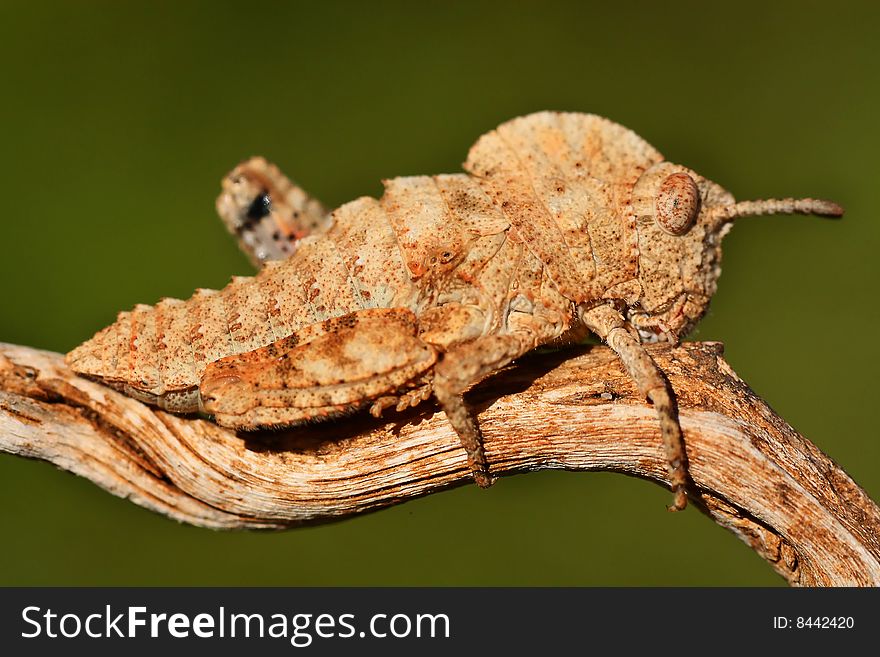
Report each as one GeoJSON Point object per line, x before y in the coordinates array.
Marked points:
{"type": "Point", "coordinates": [562, 223]}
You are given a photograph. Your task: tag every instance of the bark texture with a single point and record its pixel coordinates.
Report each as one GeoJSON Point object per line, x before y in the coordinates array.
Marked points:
{"type": "Point", "coordinates": [752, 473]}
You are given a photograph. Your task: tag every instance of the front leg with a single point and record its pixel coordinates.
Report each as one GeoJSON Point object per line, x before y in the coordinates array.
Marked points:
{"type": "Point", "coordinates": [609, 325]}
{"type": "Point", "coordinates": [267, 212]}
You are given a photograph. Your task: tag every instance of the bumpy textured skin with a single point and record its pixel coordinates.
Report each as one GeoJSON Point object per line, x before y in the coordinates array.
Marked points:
{"type": "Point", "coordinates": [438, 246]}
{"type": "Point", "coordinates": [562, 222]}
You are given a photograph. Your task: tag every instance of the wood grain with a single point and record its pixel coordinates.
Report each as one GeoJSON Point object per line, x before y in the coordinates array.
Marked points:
{"type": "Point", "coordinates": [576, 410]}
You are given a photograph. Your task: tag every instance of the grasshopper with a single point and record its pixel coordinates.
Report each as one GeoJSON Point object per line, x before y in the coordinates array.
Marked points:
{"type": "Point", "coordinates": [562, 223]}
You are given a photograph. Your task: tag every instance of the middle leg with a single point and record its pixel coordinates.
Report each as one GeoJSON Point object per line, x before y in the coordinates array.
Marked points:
{"type": "Point", "coordinates": [462, 367]}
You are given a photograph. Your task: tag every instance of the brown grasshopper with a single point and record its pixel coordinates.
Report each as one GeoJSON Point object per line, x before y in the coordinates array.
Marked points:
{"type": "Point", "coordinates": [563, 222]}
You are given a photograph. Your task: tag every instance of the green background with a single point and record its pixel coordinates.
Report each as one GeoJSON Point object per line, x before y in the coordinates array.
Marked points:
{"type": "Point", "coordinates": [119, 119]}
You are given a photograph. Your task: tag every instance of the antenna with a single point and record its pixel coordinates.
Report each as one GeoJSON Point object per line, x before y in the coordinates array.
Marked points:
{"type": "Point", "coordinates": [778, 206]}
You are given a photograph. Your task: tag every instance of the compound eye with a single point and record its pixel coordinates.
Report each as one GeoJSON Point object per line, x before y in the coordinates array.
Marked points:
{"type": "Point", "coordinates": [677, 204]}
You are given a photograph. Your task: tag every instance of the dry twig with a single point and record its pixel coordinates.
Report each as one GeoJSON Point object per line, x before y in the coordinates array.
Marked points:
{"type": "Point", "coordinates": [752, 473]}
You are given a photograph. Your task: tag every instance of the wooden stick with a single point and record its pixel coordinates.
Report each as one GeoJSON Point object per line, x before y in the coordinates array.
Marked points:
{"type": "Point", "coordinates": [575, 410]}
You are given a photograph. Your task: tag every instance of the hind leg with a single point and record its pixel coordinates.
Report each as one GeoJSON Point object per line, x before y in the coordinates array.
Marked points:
{"type": "Point", "coordinates": [324, 370]}
{"type": "Point", "coordinates": [267, 212]}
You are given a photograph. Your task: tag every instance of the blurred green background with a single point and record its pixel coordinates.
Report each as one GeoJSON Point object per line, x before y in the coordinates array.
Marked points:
{"type": "Point", "coordinates": [119, 119]}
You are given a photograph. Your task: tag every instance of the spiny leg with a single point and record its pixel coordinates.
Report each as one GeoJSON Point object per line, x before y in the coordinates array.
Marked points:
{"type": "Point", "coordinates": [463, 366]}
{"type": "Point", "coordinates": [267, 212]}
{"type": "Point", "coordinates": [321, 371]}
{"type": "Point", "coordinates": [608, 324]}
{"type": "Point", "coordinates": [402, 400]}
